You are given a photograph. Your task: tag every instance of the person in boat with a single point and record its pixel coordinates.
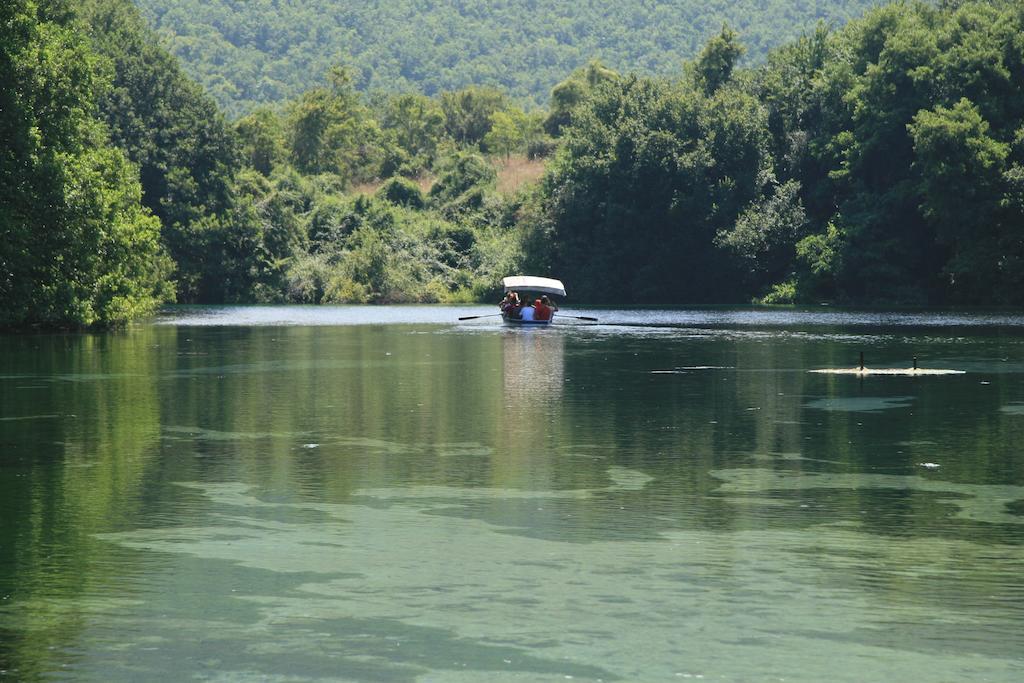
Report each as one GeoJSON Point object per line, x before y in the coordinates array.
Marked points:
{"type": "Point", "coordinates": [509, 303]}
{"type": "Point", "coordinates": [543, 309]}
{"type": "Point", "coordinates": [527, 313]}
{"type": "Point", "coordinates": [511, 306]}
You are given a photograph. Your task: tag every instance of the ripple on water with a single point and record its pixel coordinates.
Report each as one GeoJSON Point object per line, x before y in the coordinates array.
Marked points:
{"type": "Point", "coordinates": [860, 404]}
{"type": "Point", "coordinates": [22, 418]}
{"type": "Point", "coordinates": [739, 605]}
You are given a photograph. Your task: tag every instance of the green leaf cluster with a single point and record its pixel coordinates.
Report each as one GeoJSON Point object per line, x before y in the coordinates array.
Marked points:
{"type": "Point", "coordinates": [649, 173]}
{"type": "Point", "coordinates": [903, 131]}
{"type": "Point", "coordinates": [77, 248]}
{"type": "Point", "coordinates": [171, 129]}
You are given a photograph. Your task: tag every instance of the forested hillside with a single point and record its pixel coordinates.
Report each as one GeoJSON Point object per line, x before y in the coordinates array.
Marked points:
{"type": "Point", "coordinates": [262, 51]}
{"type": "Point", "coordinates": [878, 163]}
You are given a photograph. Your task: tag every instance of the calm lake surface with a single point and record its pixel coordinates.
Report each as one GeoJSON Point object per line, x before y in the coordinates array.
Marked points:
{"type": "Point", "coordinates": [388, 494]}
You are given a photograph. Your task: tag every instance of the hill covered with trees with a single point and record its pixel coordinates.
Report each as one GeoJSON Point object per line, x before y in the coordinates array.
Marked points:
{"type": "Point", "coordinates": [878, 163]}
{"type": "Point", "coordinates": [262, 51]}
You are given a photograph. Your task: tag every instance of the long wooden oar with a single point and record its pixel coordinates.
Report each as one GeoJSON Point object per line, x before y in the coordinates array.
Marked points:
{"type": "Point", "coordinates": [474, 317]}
{"type": "Point", "coordinates": [560, 315]}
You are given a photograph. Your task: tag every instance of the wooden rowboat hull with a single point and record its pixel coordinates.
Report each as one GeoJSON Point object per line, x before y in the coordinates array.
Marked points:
{"type": "Point", "coordinates": [527, 323]}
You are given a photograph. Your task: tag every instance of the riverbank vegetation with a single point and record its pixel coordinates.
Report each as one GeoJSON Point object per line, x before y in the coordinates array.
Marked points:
{"type": "Point", "coordinates": [878, 163]}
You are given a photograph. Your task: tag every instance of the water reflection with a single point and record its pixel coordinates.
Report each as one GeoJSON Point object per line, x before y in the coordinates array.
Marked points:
{"type": "Point", "coordinates": [533, 367]}
{"type": "Point", "coordinates": [701, 317]}
{"type": "Point", "coordinates": [469, 502]}
{"type": "Point", "coordinates": [76, 452]}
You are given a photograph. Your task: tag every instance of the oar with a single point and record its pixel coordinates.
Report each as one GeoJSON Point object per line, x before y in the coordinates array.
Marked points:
{"type": "Point", "coordinates": [474, 317]}
{"type": "Point", "coordinates": [578, 317]}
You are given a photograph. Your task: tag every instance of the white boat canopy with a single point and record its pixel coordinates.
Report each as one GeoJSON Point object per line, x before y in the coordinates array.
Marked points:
{"type": "Point", "coordinates": [530, 283]}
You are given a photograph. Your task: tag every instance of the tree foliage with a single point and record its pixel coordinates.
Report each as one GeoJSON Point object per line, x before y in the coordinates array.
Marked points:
{"type": "Point", "coordinates": [900, 129]}
{"type": "Point", "coordinates": [714, 66]}
{"type": "Point", "coordinates": [880, 163]}
{"type": "Point", "coordinates": [170, 128]}
{"type": "Point", "coordinates": [77, 248]}
{"type": "Point", "coordinates": [570, 93]}
{"type": "Point", "coordinates": [648, 174]}
{"type": "Point", "coordinates": [264, 51]}
{"type": "Point", "coordinates": [469, 112]}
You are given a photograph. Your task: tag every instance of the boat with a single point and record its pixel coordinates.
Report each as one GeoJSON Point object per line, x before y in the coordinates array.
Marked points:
{"type": "Point", "coordinates": [527, 286]}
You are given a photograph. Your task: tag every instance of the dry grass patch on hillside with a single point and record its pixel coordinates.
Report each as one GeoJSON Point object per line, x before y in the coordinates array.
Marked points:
{"type": "Point", "coordinates": [517, 171]}
{"type": "Point", "coordinates": [369, 187]}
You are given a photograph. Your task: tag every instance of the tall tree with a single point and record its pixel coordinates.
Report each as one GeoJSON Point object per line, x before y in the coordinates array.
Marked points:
{"type": "Point", "coordinates": [170, 128]}
{"type": "Point", "coordinates": [900, 129]}
{"type": "Point", "coordinates": [647, 175]}
{"type": "Point", "coordinates": [261, 139]}
{"type": "Point", "coordinates": [330, 131]}
{"type": "Point", "coordinates": [961, 184]}
{"type": "Point", "coordinates": [570, 93]}
{"type": "Point", "coordinates": [417, 123]}
{"type": "Point", "coordinates": [716, 62]}
{"type": "Point", "coordinates": [468, 112]}
{"type": "Point", "coordinates": [76, 245]}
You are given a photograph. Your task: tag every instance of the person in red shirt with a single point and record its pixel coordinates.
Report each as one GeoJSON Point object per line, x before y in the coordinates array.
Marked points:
{"type": "Point", "coordinates": [543, 308]}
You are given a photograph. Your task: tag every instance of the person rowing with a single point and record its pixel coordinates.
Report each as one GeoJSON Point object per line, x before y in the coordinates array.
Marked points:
{"type": "Point", "coordinates": [511, 305]}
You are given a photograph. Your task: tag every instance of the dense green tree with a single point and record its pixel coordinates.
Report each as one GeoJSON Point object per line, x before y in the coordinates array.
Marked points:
{"type": "Point", "coordinates": [961, 184]}
{"type": "Point", "coordinates": [714, 66]}
{"type": "Point", "coordinates": [766, 233]}
{"type": "Point", "coordinates": [565, 97]}
{"type": "Point", "coordinates": [507, 133]}
{"type": "Point", "coordinates": [261, 139]}
{"type": "Point", "coordinates": [170, 128]}
{"type": "Point", "coordinates": [468, 112]}
{"type": "Point", "coordinates": [254, 242]}
{"type": "Point", "coordinates": [418, 126]}
{"type": "Point", "coordinates": [573, 91]}
{"type": "Point", "coordinates": [76, 245]}
{"type": "Point", "coordinates": [648, 174]}
{"type": "Point", "coordinates": [330, 131]}
{"type": "Point", "coordinates": [789, 86]}
{"type": "Point", "coordinates": [899, 129]}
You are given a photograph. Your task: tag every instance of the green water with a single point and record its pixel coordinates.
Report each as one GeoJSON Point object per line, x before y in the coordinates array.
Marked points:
{"type": "Point", "coordinates": [344, 494]}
